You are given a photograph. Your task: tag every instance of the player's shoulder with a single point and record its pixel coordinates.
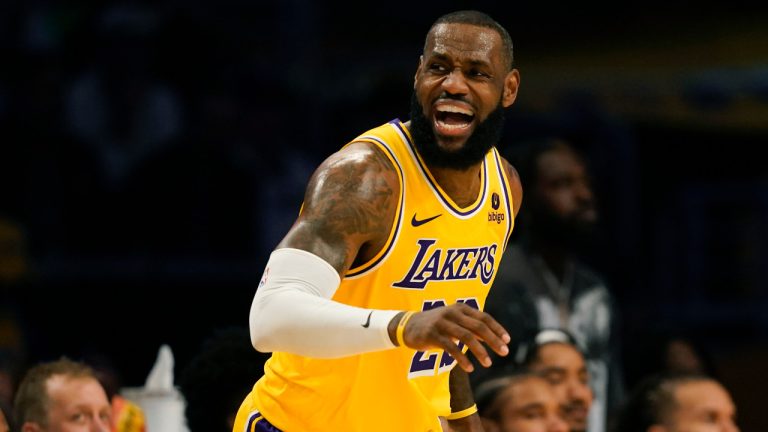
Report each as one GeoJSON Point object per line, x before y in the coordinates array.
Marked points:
{"type": "Point", "coordinates": [357, 174]}
{"type": "Point", "coordinates": [360, 157]}
{"type": "Point", "coordinates": [509, 170]}
{"type": "Point", "coordinates": [514, 182]}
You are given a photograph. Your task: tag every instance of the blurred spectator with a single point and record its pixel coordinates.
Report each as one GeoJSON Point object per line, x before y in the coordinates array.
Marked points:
{"type": "Point", "coordinates": [61, 395]}
{"type": "Point", "coordinates": [519, 403]}
{"type": "Point", "coordinates": [218, 378]}
{"type": "Point", "coordinates": [678, 403]}
{"type": "Point", "coordinates": [554, 355]}
{"type": "Point", "coordinates": [542, 283]}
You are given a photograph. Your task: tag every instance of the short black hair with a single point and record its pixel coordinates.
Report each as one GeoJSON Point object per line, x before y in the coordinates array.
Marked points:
{"type": "Point", "coordinates": [480, 19]}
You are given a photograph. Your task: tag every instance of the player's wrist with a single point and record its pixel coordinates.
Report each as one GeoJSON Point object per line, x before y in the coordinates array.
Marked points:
{"type": "Point", "coordinates": [392, 327]}
{"type": "Point", "coordinates": [462, 414]}
{"type": "Point", "coordinates": [396, 327]}
{"type": "Point", "coordinates": [400, 333]}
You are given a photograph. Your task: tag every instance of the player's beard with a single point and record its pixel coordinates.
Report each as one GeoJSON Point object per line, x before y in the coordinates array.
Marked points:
{"type": "Point", "coordinates": [485, 136]}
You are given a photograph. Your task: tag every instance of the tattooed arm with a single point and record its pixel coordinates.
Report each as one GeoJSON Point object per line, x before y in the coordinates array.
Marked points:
{"type": "Point", "coordinates": [349, 207]}
{"type": "Point", "coordinates": [348, 210]}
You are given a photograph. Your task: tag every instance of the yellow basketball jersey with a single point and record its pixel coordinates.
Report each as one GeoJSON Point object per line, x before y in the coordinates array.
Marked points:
{"type": "Point", "coordinates": [437, 254]}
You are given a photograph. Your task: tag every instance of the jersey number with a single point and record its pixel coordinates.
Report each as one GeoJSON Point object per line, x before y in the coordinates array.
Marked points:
{"type": "Point", "coordinates": [424, 363]}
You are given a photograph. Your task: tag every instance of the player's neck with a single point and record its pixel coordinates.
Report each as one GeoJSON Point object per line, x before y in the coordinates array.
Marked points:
{"type": "Point", "coordinates": [463, 186]}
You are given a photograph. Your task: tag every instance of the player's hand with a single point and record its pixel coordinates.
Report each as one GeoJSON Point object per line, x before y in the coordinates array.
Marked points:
{"type": "Point", "coordinates": [443, 327]}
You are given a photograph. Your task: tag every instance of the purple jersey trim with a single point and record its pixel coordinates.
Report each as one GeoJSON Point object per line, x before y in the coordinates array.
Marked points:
{"type": "Point", "coordinates": [425, 172]}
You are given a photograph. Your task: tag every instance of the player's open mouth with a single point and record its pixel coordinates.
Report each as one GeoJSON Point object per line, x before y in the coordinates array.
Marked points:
{"type": "Point", "coordinates": [453, 120]}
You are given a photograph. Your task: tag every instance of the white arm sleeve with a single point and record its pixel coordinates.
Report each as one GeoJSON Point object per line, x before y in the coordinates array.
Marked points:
{"type": "Point", "coordinates": [292, 311]}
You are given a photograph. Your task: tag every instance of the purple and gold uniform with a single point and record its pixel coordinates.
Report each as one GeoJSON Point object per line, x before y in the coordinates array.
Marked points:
{"type": "Point", "coordinates": [437, 254]}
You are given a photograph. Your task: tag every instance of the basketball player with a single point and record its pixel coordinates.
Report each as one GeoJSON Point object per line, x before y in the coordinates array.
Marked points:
{"type": "Point", "coordinates": [376, 292]}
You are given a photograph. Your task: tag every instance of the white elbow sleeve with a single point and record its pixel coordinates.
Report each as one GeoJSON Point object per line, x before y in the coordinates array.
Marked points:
{"type": "Point", "coordinates": [292, 311]}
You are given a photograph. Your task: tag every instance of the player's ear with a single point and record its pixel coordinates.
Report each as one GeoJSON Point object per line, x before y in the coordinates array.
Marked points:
{"type": "Point", "coordinates": [511, 84]}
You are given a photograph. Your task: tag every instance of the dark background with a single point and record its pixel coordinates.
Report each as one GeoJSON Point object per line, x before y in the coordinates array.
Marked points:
{"type": "Point", "coordinates": [152, 154]}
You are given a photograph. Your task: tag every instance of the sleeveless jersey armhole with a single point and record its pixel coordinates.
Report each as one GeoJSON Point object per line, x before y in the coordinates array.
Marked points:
{"type": "Point", "coordinates": [382, 254]}
{"type": "Point", "coordinates": [507, 196]}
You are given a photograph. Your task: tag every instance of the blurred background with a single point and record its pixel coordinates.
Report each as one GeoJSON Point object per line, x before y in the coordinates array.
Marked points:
{"type": "Point", "coordinates": [153, 153]}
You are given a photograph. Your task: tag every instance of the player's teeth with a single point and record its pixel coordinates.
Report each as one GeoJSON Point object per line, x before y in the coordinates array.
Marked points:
{"type": "Point", "coordinates": [455, 110]}
{"type": "Point", "coordinates": [452, 126]}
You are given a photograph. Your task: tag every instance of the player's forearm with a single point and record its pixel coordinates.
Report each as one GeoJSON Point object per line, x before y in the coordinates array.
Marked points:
{"type": "Point", "coordinates": [463, 416]}
{"type": "Point", "coordinates": [292, 311]}
{"type": "Point", "coordinates": [461, 390]}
